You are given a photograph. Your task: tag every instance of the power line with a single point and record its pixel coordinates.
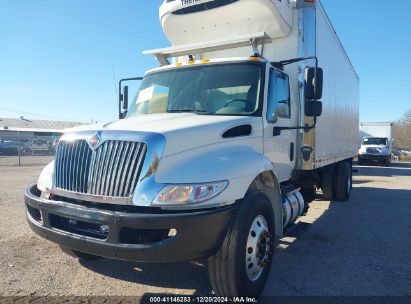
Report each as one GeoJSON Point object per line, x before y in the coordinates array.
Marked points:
{"type": "Point", "coordinates": [33, 114]}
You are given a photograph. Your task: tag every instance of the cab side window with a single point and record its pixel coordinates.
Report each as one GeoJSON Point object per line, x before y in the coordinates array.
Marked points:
{"type": "Point", "coordinates": [278, 97]}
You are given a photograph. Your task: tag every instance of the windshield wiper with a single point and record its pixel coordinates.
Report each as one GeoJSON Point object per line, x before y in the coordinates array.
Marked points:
{"type": "Point", "coordinates": [185, 110]}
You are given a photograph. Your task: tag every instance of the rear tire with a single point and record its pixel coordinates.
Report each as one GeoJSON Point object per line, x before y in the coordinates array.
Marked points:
{"type": "Point", "coordinates": [328, 182]}
{"type": "Point", "coordinates": [343, 181]}
{"type": "Point", "coordinates": [79, 255]}
{"type": "Point", "coordinates": [242, 264]}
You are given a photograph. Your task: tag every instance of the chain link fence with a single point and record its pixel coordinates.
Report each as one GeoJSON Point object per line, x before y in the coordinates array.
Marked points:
{"type": "Point", "coordinates": [27, 148]}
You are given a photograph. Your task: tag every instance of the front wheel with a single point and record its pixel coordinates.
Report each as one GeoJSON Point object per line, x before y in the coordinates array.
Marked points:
{"type": "Point", "coordinates": [242, 264]}
{"type": "Point", "coordinates": [387, 162]}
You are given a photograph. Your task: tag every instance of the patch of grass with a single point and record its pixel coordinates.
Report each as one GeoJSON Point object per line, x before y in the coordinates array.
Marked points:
{"type": "Point", "coordinates": [406, 158]}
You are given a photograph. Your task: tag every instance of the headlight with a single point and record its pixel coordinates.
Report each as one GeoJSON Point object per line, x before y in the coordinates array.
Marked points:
{"type": "Point", "coordinates": [190, 193]}
{"type": "Point", "coordinates": [45, 181]}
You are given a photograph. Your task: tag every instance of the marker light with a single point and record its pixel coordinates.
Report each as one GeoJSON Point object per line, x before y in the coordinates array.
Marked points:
{"type": "Point", "coordinates": [253, 58]}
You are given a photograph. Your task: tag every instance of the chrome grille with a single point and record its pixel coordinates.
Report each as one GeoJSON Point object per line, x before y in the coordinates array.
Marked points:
{"type": "Point", "coordinates": [113, 169]}
{"type": "Point", "coordinates": [372, 151]}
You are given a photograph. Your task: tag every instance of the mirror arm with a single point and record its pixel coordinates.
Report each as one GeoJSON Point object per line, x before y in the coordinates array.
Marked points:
{"type": "Point", "coordinates": [120, 95]}
{"type": "Point", "coordinates": [305, 128]}
{"type": "Point", "coordinates": [281, 64]}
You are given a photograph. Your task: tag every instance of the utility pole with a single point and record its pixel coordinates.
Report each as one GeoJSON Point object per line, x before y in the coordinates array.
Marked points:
{"type": "Point", "coordinates": [19, 152]}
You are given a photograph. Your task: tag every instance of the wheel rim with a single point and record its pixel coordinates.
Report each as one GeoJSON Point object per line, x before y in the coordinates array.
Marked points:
{"type": "Point", "coordinates": [258, 248]}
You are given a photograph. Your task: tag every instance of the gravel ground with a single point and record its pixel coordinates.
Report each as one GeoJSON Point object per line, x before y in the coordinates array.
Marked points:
{"type": "Point", "coordinates": [358, 248]}
{"type": "Point", "coordinates": [25, 160]}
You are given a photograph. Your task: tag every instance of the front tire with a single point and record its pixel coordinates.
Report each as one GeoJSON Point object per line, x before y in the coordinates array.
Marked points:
{"type": "Point", "coordinates": [387, 162]}
{"type": "Point", "coordinates": [242, 264]}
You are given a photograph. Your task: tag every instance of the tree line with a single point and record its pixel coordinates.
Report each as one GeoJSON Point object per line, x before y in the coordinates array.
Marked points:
{"type": "Point", "coordinates": [402, 132]}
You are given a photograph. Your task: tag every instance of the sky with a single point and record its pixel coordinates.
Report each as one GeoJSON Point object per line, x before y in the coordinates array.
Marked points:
{"type": "Point", "coordinates": [61, 60]}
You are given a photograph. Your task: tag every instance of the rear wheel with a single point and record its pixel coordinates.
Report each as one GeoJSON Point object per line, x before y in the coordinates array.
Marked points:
{"type": "Point", "coordinates": [77, 254]}
{"type": "Point", "coordinates": [242, 264]}
{"type": "Point", "coordinates": [343, 181]}
{"type": "Point", "coordinates": [328, 182]}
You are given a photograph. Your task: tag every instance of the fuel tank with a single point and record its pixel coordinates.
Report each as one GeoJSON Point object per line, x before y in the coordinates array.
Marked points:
{"type": "Point", "coordinates": [293, 208]}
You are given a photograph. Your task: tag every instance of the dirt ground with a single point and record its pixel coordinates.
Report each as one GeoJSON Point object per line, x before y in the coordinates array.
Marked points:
{"type": "Point", "coordinates": [358, 248]}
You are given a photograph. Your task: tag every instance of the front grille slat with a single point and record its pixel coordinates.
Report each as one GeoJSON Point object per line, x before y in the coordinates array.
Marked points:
{"type": "Point", "coordinates": [99, 170]}
{"type": "Point", "coordinates": [131, 168]}
{"type": "Point", "coordinates": [76, 164]}
{"type": "Point", "coordinates": [113, 169]}
{"type": "Point", "coordinates": [93, 182]}
{"type": "Point", "coordinates": [70, 167]}
{"type": "Point", "coordinates": [124, 169]}
{"type": "Point", "coordinates": [120, 176]}
{"type": "Point", "coordinates": [82, 166]}
{"type": "Point", "coordinates": [106, 171]}
{"type": "Point", "coordinates": [139, 165]}
{"type": "Point", "coordinates": [61, 150]}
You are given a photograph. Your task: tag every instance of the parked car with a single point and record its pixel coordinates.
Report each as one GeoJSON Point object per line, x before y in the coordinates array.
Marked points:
{"type": "Point", "coordinates": [40, 146]}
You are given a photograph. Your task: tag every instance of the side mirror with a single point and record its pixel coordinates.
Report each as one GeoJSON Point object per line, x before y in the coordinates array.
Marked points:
{"type": "Point", "coordinates": [313, 108]}
{"type": "Point", "coordinates": [124, 98]}
{"type": "Point", "coordinates": [313, 86]}
{"type": "Point", "coordinates": [123, 102]}
{"type": "Point", "coordinates": [274, 117]}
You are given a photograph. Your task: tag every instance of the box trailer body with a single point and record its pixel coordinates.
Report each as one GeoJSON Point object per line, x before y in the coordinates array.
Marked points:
{"type": "Point", "coordinates": [226, 140]}
{"type": "Point", "coordinates": [377, 129]}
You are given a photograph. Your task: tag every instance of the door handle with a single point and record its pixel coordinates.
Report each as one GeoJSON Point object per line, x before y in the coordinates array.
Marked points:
{"type": "Point", "coordinates": [292, 151]}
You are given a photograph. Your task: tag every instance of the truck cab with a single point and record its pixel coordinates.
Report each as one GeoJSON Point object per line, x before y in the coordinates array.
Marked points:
{"type": "Point", "coordinates": [375, 149]}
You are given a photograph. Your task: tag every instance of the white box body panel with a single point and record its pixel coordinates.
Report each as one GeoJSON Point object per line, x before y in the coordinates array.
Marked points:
{"type": "Point", "coordinates": [376, 129]}
{"type": "Point", "coordinates": [336, 134]}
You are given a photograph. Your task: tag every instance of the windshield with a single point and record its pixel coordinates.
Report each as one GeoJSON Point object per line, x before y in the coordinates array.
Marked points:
{"type": "Point", "coordinates": [225, 89]}
{"type": "Point", "coordinates": [375, 141]}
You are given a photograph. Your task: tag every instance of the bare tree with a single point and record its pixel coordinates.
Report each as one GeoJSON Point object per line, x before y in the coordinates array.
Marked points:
{"type": "Point", "coordinates": [402, 132]}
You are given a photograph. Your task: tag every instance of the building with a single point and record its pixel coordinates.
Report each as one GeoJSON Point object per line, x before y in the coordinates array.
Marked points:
{"type": "Point", "coordinates": [12, 129]}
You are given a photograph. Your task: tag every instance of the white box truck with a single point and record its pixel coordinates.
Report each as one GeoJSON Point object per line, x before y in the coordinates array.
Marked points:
{"type": "Point", "coordinates": [376, 143]}
{"type": "Point", "coordinates": [221, 150]}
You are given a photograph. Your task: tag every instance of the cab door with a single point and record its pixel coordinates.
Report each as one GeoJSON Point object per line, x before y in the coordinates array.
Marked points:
{"type": "Point", "coordinates": [279, 148]}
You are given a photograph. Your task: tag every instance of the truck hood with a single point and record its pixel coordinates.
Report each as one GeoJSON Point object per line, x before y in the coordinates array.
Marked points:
{"type": "Point", "coordinates": [183, 131]}
{"type": "Point", "coordinates": [378, 149]}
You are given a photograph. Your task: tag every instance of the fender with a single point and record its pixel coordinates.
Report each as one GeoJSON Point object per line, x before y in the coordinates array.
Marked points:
{"type": "Point", "coordinates": [241, 165]}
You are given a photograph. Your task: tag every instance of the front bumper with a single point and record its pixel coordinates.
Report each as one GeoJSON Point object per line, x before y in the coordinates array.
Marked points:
{"type": "Point", "coordinates": [128, 235]}
{"type": "Point", "coordinates": [375, 157]}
